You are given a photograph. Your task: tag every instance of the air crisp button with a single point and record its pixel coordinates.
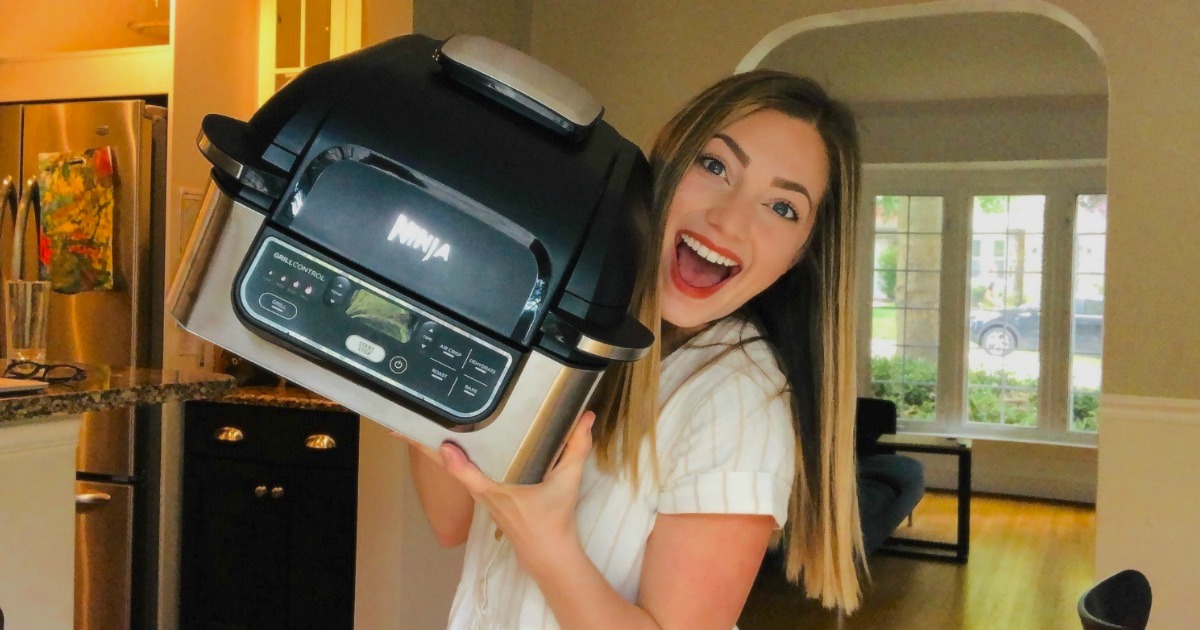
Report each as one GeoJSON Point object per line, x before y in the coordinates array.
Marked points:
{"type": "Point", "coordinates": [365, 349]}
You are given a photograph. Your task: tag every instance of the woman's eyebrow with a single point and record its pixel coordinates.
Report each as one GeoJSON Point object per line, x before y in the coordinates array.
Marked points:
{"type": "Point", "coordinates": [788, 184]}
{"type": "Point", "coordinates": [737, 150]}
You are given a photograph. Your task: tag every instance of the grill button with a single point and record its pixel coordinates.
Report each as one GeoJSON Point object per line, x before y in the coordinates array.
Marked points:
{"type": "Point", "coordinates": [277, 305]}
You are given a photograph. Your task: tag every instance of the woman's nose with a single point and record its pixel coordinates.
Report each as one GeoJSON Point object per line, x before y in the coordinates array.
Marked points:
{"type": "Point", "coordinates": [731, 215]}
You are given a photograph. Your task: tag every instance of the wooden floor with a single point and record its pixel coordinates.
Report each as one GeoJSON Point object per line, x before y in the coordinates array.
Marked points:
{"type": "Point", "coordinates": [1030, 561]}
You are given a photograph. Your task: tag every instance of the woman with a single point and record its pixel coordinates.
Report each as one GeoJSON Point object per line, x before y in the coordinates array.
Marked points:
{"type": "Point", "coordinates": [741, 418]}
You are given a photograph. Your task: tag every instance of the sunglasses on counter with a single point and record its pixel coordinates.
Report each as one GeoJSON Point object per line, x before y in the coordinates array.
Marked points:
{"type": "Point", "coordinates": [51, 373]}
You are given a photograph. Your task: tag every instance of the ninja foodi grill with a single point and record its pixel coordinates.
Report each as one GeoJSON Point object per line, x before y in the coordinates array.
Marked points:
{"type": "Point", "coordinates": [442, 237]}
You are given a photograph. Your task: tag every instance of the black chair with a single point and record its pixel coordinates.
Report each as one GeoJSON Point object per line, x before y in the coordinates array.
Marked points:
{"type": "Point", "coordinates": [889, 485]}
{"type": "Point", "coordinates": [1119, 602]}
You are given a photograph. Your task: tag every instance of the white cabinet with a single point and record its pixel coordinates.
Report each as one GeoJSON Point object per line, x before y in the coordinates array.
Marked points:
{"type": "Point", "coordinates": [37, 512]}
{"type": "Point", "coordinates": [296, 34]}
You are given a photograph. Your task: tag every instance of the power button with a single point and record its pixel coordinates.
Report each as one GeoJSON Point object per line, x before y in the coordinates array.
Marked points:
{"type": "Point", "coordinates": [398, 364]}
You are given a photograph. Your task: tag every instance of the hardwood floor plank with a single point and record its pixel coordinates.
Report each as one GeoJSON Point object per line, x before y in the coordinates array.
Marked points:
{"type": "Point", "coordinates": [1030, 562]}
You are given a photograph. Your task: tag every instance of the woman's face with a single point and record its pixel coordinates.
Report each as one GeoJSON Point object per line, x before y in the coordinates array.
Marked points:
{"type": "Point", "coordinates": [740, 216]}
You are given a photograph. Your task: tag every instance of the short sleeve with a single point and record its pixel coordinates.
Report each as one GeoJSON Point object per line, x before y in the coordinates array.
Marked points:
{"type": "Point", "coordinates": [732, 447]}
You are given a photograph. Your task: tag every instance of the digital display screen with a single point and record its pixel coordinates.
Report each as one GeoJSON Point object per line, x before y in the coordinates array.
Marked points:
{"type": "Point", "coordinates": [381, 315]}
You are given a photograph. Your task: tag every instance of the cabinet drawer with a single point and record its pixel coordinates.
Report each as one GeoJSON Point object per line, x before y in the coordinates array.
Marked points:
{"type": "Point", "coordinates": [272, 434]}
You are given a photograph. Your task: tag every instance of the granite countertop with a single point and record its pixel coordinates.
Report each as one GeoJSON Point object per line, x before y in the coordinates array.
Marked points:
{"type": "Point", "coordinates": [289, 396]}
{"type": "Point", "coordinates": [109, 387]}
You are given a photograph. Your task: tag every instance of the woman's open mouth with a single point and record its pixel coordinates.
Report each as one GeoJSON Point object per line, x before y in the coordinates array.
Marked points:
{"type": "Point", "coordinates": [700, 268]}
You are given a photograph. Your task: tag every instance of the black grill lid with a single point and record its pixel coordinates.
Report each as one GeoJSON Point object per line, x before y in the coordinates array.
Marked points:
{"type": "Point", "coordinates": [397, 168]}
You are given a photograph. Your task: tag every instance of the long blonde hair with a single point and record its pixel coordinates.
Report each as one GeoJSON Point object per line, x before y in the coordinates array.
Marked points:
{"type": "Point", "coordinates": [807, 316]}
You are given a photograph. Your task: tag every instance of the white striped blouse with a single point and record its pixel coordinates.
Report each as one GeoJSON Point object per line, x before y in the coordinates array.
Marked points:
{"type": "Point", "coordinates": [724, 446]}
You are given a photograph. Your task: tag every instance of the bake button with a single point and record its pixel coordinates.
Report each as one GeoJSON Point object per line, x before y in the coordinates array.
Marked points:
{"type": "Point", "coordinates": [338, 291]}
{"type": "Point", "coordinates": [368, 350]}
{"type": "Point", "coordinates": [398, 364]}
{"type": "Point", "coordinates": [277, 305]}
{"type": "Point", "coordinates": [469, 395]}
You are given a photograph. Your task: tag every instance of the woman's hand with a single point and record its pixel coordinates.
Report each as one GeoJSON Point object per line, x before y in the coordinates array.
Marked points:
{"type": "Point", "coordinates": [538, 519]}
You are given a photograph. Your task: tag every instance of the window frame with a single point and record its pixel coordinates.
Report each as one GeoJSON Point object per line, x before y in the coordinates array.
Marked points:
{"type": "Point", "coordinates": [1061, 182]}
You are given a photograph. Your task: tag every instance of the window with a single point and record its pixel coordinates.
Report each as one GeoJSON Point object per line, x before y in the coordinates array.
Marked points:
{"type": "Point", "coordinates": [983, 311]}
{"type": "Point", "coordinates": [1004, 320]}
{"type": "Point", "coordinates": [1087, 332]}
{"type": "Point", "coordinates": [904, 311]}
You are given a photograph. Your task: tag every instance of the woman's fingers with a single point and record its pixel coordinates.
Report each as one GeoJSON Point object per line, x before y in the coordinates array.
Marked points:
{"type": "Point", "coordinates": [455, 461]}
{"type": "Point", "coordinates": [576, 450]}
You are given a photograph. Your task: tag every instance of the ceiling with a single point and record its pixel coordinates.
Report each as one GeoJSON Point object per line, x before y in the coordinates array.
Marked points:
{"type": "Point", "coordinates": [39, 27]}
{"type": "Point", "coordinates": [956, 57]}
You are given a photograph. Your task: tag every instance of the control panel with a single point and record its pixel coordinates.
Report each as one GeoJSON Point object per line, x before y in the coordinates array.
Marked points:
{"type": "Point", "coordinates": [400, 346]}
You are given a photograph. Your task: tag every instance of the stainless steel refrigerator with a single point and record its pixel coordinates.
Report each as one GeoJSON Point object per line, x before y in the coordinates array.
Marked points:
{"type": "Point", "coordinates": [117, 460]}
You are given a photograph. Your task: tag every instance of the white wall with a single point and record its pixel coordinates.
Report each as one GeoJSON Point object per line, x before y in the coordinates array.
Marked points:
{"type": "Point", "coordinates": [1045, 471]}
{"type": "Point", "coordinates": [984, 130]}
{"type": "Point", "coordinates": [1148, 513]}
{"type": "Point", "coordinates": [404, 579]}
{"type": "Point", "coordinates": [506, 21]}
{"type": "Point", "coordinates": [215, 46]}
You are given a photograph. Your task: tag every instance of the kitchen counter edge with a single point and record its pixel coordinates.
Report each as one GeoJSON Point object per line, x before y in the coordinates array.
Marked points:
{"type": "Point", "coordinates": [111, 388]}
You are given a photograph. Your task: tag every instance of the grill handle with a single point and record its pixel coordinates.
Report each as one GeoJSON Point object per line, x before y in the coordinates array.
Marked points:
{"type": "Point", "coordinates": [626, 342]}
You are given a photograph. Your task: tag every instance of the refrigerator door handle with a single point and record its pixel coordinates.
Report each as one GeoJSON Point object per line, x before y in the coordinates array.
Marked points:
{"type": "Point", "coordinates": [92, 498]}
{"type": "Point", "coordinates": [8, 197]}
{"type": "Point", "coordinates": [29, 197]}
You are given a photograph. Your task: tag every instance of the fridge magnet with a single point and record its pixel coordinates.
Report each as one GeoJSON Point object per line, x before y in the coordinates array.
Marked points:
{"type": "Point", "coordinates": [76, 242]}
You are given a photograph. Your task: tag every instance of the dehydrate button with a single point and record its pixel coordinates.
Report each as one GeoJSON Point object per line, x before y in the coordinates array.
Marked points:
{"type": "Point", "coordinates": [485, 366]}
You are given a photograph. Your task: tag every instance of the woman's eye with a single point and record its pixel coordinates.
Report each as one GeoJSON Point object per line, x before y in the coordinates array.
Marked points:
{"type": "Point", "coordinates": [784, 209]}
{"type": "Point", "coordinates": [712, 165]}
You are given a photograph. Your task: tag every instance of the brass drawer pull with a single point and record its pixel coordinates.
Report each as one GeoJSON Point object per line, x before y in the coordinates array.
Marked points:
{"type": "Point", "coordinates": [276, 492]}
{"type": "Point", "coordinates": [92, 498]}
{"type": "Point", "coordinates": [260, 491]}
{"type": "Point", "coordinates": [320, 442]}
{"type": "Point", "coordinates": [229, 434]}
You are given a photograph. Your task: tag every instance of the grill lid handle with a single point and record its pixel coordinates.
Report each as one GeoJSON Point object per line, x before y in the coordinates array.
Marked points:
{"type": "Point", "coordinates": [521, 83]}
{"type": "Point", "coordinates": [626, 342]}
{"type": "Point", "coordinates": [230, 146]}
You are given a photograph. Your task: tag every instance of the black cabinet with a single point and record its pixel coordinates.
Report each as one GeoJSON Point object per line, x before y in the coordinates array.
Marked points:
{"type": "Point", "coordinates": [269, 517]}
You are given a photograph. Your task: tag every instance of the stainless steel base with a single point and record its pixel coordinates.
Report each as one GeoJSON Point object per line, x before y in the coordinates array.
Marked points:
{"type": "Point", "coordinates": [516, 444]}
